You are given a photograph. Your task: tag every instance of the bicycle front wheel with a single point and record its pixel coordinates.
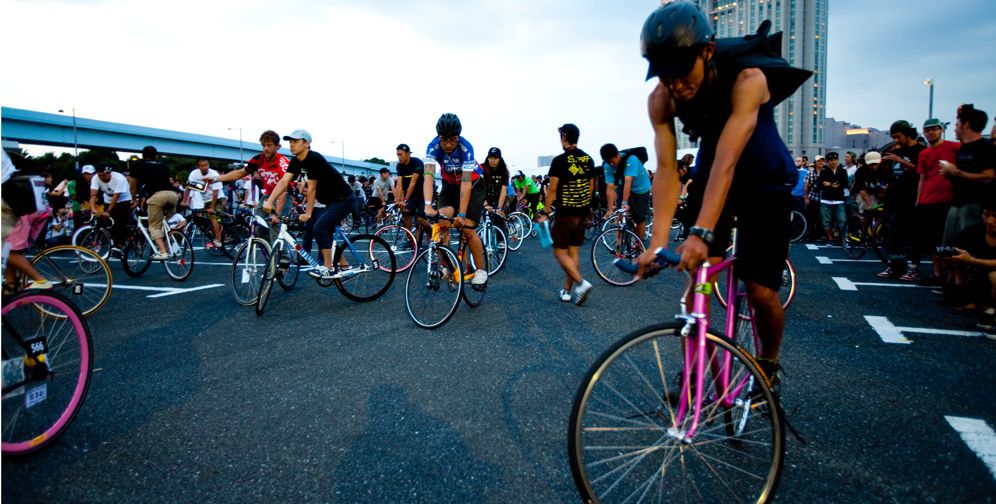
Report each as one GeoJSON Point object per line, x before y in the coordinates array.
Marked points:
{"type": "Point", "coordinates": [47, 360]}
{"type": "Point", "coordinates": [77, 273]}
{"type": "Point", "coordinates": [432, 290]}
{"type": "Point", "coordinates": [495, 247]}
{"type": "Point", "coordinates": [615, 243]}
{"type": "Point", "coordinates": [797, 226]}
{"type": "Point", "coordinates": [95, 239]}
{"type": "Point", "coordinates": [854, 237]}
{"type": "Point", "coordinates": [289, 268]}
{"type": "Point", "coordinates": [402, 244]}
{"type": "Point", "coordinates": [472, 294]}
{"type": "Point", "coordinates": [248, 268]}
{"type": "Point", "coordinates": [180, 263]}
{"type": "Point", "coordinates": [366, 279]}
{"type": "Point", "coordinates": [269, 277]}
{"type": "Point", "coordinates": [627, 441]}
{"type": "Point", "coordinates": [515, 233]}
{"type": "Point", "coordinates": [136, 256]}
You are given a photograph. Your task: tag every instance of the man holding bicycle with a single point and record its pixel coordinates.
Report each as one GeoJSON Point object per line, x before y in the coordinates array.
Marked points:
{"type": "Point", "coordinates": [725, 93]}
{"type": "Point", "coordinates": [269, 167]}
{"type": "Point", "coordinates": [463, 186]}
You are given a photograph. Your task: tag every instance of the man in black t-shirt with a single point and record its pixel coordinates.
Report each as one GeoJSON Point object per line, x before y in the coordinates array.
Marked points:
{"type": "Point", "coordinates": [151, 178]}
{"type": "Point", "coordinates": [407, 188]}
{"type": "Point", "coordinates": [330, 199]}
{"type": "Point", "coordinates": [901, 195]}
{"type": "Point", "coordinates": [972, 175]}
{"type": "Point", "coordinates": [571, 184]}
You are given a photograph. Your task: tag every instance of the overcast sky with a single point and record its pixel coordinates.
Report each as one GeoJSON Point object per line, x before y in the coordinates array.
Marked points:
{"type": "Point", "coordinates": [377, 73]}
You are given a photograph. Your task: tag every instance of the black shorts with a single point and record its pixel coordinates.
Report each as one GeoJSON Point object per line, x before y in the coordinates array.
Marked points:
{"type": "Point", "coordinates": [568, 231]}
{"type": "Point", "coordinates": [375, 203]}
{"type": "Point", "coordinates": [639, 205]}
{"type": "Point", "coordinates": [762, 235]}
{"type": "Point", "coordinates": [416, 207]}
{"type": "Point", "coordinates": [532, 201]}
{"type": "Point", "coordinates": [449, 196]}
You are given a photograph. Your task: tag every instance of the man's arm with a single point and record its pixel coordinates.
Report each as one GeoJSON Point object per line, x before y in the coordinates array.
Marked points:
{"type": "Point", "coordinates": [278, 191]}
{"type": "Point", "coordinates": [749, 93]}
{"type": "Point", "coordinates": [93, 199]}
{"type": "Point", "coordinates": [466, 186]}
{"type": "Point", "coordinates": [232, 176]}
{"type": "Point", "coordinates": [666, 186]}
{"type": "Point", "coordinates": [551, 194]}
{"type": "Point", "coordinates": [429, 182]}
{"type": "Point", "coordinates": [312, 190]}
{"type": "Point", "coordinates": [627, 186]}
{"type": "Point", "coordinates": [952, 170]}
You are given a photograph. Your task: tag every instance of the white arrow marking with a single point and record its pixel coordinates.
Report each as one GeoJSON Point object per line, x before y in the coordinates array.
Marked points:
{"type": "Point", "coordinates": [890, 333]}
{"type": "Point", "coordinates": [848, 285]}
{"type": "Point", "coordinates": [979, 437]}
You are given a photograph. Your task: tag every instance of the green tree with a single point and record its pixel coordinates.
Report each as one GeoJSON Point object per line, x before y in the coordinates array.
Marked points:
{"type": "Point", "coordinates": [376, 160]}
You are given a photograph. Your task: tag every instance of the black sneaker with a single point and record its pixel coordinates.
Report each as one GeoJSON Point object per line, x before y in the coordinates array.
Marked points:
{"type": "Point", "coordinates": [773, 370]}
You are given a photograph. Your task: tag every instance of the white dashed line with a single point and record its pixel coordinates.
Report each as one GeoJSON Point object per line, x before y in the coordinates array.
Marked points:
{"type": "Point", "coordinates": [890, 333]}
{"type": "Point", "coordinates": [979, 437]}
{"type": "Point", "coordinates": [847, 285]}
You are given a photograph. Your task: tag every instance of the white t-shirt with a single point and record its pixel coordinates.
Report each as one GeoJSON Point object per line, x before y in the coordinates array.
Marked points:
{"type": "Point", "coordinates": [176, 220]}
{"type": "Point", "coordinates": [384, 186]}
{"type": "Point", "coordinates": [361, 196]}
{"type": "Point", "coordinates": [251, 191]}
{"type": "Point", "coordinates": [198, 200]}
{"type": "Point", "coordinates": [117, 185]}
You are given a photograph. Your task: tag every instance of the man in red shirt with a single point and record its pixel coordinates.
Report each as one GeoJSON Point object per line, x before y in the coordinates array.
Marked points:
{"type": "Point", "coordinates": [267, 169]}
{"type": "Point", "coordinates": [933, 200]}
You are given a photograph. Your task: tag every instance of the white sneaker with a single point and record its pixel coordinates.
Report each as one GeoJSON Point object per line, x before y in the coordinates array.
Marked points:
{"type": "Point", "coordinates": [35, 285]}
{"type": "Point", "coordinates": [160, 257]}
{"type": "Point", "coordinates": [321, 273]}
{"type": "Point", "coordinates": [565, 295]}
{"type": "Point", "coordinates": [480, 277]}
{"type": "Point", "coordinates": [581, 292]}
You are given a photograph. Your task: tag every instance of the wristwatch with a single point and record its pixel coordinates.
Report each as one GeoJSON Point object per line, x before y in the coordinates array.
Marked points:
{"type": "Point", "coordinates": [705, 234]}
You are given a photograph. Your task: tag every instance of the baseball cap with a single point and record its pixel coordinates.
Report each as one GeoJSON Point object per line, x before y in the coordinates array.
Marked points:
{"type": "Point", "coordinates": [930, 123]}
{"type": "Point", "coordinates": [299, 134]}
{"type": "Point", "coordinates": [571, 132]}
{"type": "Point", "coordinates": [818, 158]}
{"type": "Point", "coordinates": [89, 169]}
{"type": "Point", "coordinates": [832, 155]}
{"type": "Point", "coordinates": [404, 147]}
{"type": "Point", "coordinates": [106, 169]}
{"type": "Point", "coordinates": [873, 157]}
{"type": "Point", "coordinates": [494, 151]}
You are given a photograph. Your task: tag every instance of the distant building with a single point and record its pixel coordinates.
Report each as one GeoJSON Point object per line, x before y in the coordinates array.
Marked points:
{"type": "Point", "coordinates": [801, 117]}
{"type": "Point", "coordinates": [544, 161]}
{"type": "Point", "coordinates": [844, 136]}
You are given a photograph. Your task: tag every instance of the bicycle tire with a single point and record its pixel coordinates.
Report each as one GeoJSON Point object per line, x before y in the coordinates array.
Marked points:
{"type": "Point", "coordinates": [369, 281]}
{"type": "Point", "coordinates": [232, 236]}
{"type": "Point", "coordinates": [180, 263]}
{"type": "Point", "coordinates": [77, 283]}
{"type": "Point", "coordinates": [649, 414]}
{"type": "Point", "coordinates": [433, 289]}
{"type": "Point", "coordinates": [854, 240]}
{"type": "Point", "coordinates": [472, 294]}
{"type": "Point", "coordinates": [136, 257]}
{"type": "Point", "coordinates": [402, 243]}
{"type": "Point", "coordinates": [525, 221]}
{"type": "Point", "coordinates": [615, 243]}
{"type": "Point", "coordinates": [47, 399]}
{"type": "Point", "coordinates": [797, 226]}
{"type": "Point", "coordinates": [251, 260]}
{"type": "Point", "coordinates": [786, 293]}
{"type": "Point", "coordinates": [287, 278]}
{"type": "Point", "coordinates": [677, 231]}
{"type": "Point", "coordinates": [880, 238]}
{"type": "Point", "coordinates": [269, 277]}
{"type": "Point", "coordinates": [516, 235]}
{"type": "Point", "coordinates": [495, 247]}
{"type": "Point", "coordinates": [95, 239]}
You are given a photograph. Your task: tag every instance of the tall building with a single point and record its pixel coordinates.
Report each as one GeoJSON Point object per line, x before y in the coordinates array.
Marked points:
{"type": "Point", "coordinates": [801, 117]}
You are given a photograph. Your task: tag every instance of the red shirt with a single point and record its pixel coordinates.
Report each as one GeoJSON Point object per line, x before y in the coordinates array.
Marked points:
{"type": "Point", "coordinates": [936, 187]}
{"type": "Point", "coordinates": [269, 172]}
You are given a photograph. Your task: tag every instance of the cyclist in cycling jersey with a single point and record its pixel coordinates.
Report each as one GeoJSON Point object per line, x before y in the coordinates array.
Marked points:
{"type": "Point", "coordinates": [527, 190]}
{"type": "Point", "coordinates": [463, 186]}
{"type": "Point", "coordinates": [330, 199]}
{"type": "Point", "coordinates": [724, 92]}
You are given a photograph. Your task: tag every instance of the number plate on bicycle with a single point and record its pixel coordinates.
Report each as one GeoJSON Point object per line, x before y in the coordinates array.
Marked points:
{"type": "Point", "coordinates": [78, 289]}
{"type": "Point", "coordinates": [704, 288]}
{"type": "Point", "coordinates": [36, 395]}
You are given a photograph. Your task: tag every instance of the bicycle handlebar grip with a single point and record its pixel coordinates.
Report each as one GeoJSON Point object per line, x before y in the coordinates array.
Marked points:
{"type": "Point", "coordinates": [665, 258]}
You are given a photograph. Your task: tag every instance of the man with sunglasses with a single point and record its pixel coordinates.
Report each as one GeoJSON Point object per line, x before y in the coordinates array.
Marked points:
{"type": "Point", "coordinates": [724, 92]}
{"type": "Point", "coordinates": [462, 190]}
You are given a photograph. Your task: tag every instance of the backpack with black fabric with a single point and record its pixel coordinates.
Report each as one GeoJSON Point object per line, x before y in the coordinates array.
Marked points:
{"type": "Point", "coordinates": [624, 155]}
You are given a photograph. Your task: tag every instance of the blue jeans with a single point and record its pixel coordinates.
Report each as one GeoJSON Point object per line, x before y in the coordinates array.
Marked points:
{"type": "Point", "coordinates": [831, 213]}
{"type": "Point", "coordinates": [332, 215]}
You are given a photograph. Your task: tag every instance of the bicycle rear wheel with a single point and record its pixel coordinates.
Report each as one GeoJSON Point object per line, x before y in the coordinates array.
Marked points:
{"type": "Point", "coordinates": [402, 243]}
{"type": "Point", "coordinates": [880, 238]}
{"type": "Point", "coordinates": [472, 294]}
{"type": "Point", "coordinates": [627, 443]}
{"type": "Point", "coordinates": [248, 269]}
{"type": "Point", "coordinates": [77, 273]}
{"type": "Point", "coordinates": [615, 243]}
{"type": "Point", "coordinates": [432, 290]}
{"type": "Point", "coordinates": [180, 263]}
{"type": "Point", "coordinates": [47, 362]}
{"type": "Point", "coordinates": [288, 269]}
{"type": "Point", "coordinates": [95, 239]}
{"type": "Point", "coordinates": [366, 280]}
{"type": "Point", "coordinates": [525, 223]}
{"type": "Point", "coordinates": [515, 233]}
{"type": "Point", "coordinates": [136, 256]}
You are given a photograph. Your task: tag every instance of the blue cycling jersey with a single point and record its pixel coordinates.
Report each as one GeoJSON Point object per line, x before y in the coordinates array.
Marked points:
{"type": "Point", "coordinates": [452, 165]}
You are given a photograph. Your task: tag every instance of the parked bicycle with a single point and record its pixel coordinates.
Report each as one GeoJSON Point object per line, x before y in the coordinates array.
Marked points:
{"type": "Point", "coordinates": [616, 242]}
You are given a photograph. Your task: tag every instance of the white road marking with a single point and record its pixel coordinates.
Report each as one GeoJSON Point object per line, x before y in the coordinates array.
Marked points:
{"type": "Point", "coordinates": [827, 260]}
{"type": "Point", "coordinates": [823, 260]}
{"type": "Point", "coordinates": [176, 291]}
{"type": "Point", "coordinates": [162, 291]}
{"type": "Point", "coordinates": [890, 333]}
{"type": "Point", "coordinates": [848, 285]}
{"type": "Point", "coordinates": [979, 437]}
{"type": "Point", "coordinates": [810, 246]}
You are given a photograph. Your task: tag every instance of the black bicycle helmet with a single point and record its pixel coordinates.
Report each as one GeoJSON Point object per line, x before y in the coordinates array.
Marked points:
{"type": "Point", "coordinates": [672, 38]}
{"type": "Point", "coordinates": [448, 125]}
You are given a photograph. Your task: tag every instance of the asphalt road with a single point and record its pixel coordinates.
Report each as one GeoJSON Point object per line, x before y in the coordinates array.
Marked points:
{"type": "Point", "coordinates": [194, 398]}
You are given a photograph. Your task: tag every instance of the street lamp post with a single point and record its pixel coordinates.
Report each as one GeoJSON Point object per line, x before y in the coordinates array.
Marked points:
{"type": "Point", "coordinates": [930, 111]}
{"type": "Point", "coordinates": [76, 148]}
{"type": "Point", "coordinates": [241, 157]}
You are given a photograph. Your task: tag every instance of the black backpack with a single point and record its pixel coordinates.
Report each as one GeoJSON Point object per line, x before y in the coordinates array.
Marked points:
{"type": "Point", "coordinates": [639, 152]}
